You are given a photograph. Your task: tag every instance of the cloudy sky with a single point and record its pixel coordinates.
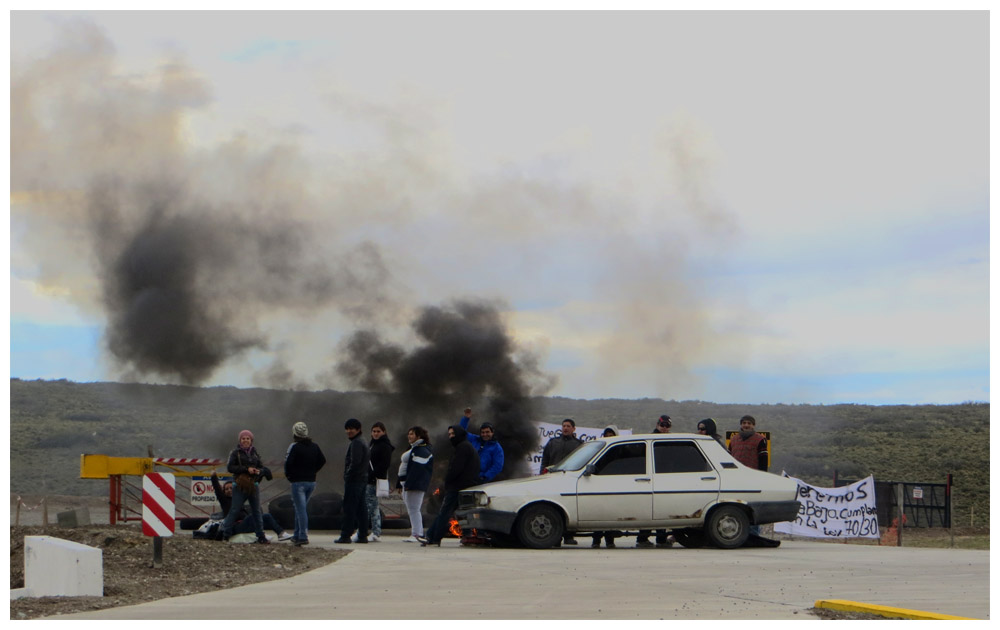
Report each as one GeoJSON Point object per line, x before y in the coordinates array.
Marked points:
{"type": "Point", "coordinates": [758, 207]}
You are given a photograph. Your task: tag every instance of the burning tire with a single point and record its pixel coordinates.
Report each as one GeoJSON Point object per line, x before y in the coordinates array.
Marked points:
{"type": "Point", "coordinates": [539, 526]}
{"type": "Point", "coordinates": [727, 527]}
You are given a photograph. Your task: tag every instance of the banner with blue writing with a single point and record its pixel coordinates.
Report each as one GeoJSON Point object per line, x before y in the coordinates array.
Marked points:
{"type": "Point", "coordinates": [847, 512]}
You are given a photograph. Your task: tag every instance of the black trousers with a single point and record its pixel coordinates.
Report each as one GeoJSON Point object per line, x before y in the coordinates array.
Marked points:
{"type": "Point", "coordinates": [355, 510]}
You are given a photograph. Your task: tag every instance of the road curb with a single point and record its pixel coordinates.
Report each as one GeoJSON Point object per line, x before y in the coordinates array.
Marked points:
{"type": "Point", "coordinates": [885, 611]}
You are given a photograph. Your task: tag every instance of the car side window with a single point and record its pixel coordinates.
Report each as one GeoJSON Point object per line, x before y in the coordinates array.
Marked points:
{"type": "Point", "coordinates": [623, 459]}
{"type": "Point", "coordinates": [678, 457]}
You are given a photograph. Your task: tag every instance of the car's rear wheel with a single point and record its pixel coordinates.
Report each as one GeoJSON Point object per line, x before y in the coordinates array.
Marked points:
{"type": "Point", "coordinates": [690, 538]}
{"type": "Point", "coordinates": [539, 526]}
{"type": "Point", "coordinates": [727, 527]}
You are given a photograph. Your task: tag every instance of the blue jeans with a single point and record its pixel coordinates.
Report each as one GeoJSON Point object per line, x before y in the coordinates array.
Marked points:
{"type": "Point", "coordinates": [234, 512]}
{"type": "Point", "coordinates": [301, 491]}
{"type": "Point", "coordinates": [440, 526]}
{"type": "Point", "coordinates": [374, 514]}
{"type": "Point", "coordinates": [355, 512]}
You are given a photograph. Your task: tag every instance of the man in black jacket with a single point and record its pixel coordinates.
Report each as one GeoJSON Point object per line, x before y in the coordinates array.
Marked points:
{"type": "Point", "coordinates": [355, 481]}
{"type": "Point", "coordinates": [556, 449]}
{"type": "Point", "coordinates": [463, 472]}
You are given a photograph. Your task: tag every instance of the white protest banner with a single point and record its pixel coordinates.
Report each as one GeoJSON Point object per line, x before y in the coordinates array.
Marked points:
{"type": "Point", "coordinates": [847, 512]}
{"type": "Point", "coordinates": [547, 431]}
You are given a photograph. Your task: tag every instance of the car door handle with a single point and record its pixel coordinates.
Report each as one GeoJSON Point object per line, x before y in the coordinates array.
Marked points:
{"type": "Point", "coordinates": [708, 478]}
{"type": "Point", "coordinates": [646, 479]}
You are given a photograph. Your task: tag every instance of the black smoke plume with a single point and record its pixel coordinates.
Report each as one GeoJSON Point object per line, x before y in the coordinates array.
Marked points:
{"type": "Point", "coordinates": [465, 357]}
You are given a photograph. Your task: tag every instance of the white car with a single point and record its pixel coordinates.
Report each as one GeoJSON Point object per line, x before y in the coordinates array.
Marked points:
{"type": "Point", "coordinates": [683, 482]}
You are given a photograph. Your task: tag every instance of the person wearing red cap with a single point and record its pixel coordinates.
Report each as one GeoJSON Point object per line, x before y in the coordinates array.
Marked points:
{"type": "Point", "coordinates": [246, 467]}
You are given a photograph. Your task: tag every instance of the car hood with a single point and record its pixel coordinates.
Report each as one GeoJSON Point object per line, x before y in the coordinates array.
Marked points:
{"type": "Point", "coordinates": [539, 484]}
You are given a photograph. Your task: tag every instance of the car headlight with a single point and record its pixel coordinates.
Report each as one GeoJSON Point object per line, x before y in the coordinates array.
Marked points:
{"type": "Point", "coordinates": [482, 499]}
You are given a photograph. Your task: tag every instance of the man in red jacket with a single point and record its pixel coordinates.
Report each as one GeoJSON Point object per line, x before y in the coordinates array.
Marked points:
{"type": "Point", "coordinates": [749, 447]}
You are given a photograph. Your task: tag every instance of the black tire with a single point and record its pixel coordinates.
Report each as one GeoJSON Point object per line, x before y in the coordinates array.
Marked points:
{"type": "Point", "coordinates": [193, 522]}
{"type": "Point", "coordinates": [282, 510]}
{"type": "Point", "coordinates": [539, 526]}
{"type": "Point", "coordinates": [727, 527]}
{"type": "Point", "coordinates": [690, 538]}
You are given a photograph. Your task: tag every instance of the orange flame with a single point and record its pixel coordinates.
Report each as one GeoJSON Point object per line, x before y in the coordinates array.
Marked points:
{"type": "Point", "coordinates": [454, 528]}
{"type": "Point", "coordinates": [437, 492]}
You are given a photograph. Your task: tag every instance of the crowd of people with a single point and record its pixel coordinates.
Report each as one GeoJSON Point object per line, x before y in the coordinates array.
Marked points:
{"type": "Point", "coordinates": [476, 458]}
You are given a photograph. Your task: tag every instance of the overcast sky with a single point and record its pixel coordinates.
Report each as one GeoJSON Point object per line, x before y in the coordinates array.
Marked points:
{"type": "Point", "coordinates": [758, 207]}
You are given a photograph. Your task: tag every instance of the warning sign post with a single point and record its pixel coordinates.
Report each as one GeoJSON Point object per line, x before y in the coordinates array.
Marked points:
{"type": "Point", "coordinates": [158, 505]}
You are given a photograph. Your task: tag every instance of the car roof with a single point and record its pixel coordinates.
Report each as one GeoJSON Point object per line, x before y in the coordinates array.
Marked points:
{"type": "Point", "coordinates": [657, 436]}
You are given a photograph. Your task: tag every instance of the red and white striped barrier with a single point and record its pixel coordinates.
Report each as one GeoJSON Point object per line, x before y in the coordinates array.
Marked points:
{"type": "Point", "coordinates": [158, 504]}
{"type": "Point", "coordinates": [186, 461]}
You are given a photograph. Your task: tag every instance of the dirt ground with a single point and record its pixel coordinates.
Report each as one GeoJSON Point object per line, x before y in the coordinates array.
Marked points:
{"type": "Point", "coordinates": [189, 566]}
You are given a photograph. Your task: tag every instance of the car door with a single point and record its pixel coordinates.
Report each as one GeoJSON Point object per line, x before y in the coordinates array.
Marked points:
{"type": "Point", "coordinates": [684, 482]}
{"type": "Point", "coordinates": [619, 489]}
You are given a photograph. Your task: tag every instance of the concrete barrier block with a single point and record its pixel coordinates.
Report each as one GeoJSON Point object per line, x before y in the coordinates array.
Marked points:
{"type": "Point", "coordinates": [61, 568]}
{"type": "Point", "coordinates": [74, 517]}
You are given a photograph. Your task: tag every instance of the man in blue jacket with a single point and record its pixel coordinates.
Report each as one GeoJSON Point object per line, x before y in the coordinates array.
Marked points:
{"type": "Point", "coordinates": [490, 451]}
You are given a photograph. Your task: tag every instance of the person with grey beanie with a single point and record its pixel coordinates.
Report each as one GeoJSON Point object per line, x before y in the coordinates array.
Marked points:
{"type": "Point", "coordinates": [303, 460]}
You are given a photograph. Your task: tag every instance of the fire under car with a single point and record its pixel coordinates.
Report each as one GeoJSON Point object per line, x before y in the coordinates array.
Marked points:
{"type": "Point", "coordinates": [685, 483]}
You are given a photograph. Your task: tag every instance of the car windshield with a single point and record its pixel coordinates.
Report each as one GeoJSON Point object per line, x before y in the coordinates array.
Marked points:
{"type": "Point", "coordinates": [580, 456]}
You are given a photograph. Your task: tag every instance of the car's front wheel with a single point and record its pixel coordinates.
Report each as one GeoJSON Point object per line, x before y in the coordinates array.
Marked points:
{"type": "Point", "coordinates": [727, 527]}
{"type": "Point", "coordinates": [539, 526]}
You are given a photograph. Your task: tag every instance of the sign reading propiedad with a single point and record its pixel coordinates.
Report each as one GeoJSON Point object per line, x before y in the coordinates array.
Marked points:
{"type": "Point", "coordinates": [847, 512]}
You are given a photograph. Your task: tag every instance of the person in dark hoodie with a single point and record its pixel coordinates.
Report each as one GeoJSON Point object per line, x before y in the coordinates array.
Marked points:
{"type": "Point", "coordinates": [708, 427]}
{"type": "Point", "coordinates": [462, 473]}
{"type": "Point", "coordinates": [380, 450]}
{"type": "Point", "coordinates": [303, 460]}
{"type": "Point", "coordinates": [355, 480]}
{"type": "Point", "coordinates": [489, 450]}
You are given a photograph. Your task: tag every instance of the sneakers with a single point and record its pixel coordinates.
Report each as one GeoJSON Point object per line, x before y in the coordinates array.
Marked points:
{"type": "Point", "coordinates": [569, 541]}
{"type": "Point", "coordinates": [343, 541]}
{"type": "Point", "coordinates": [643, 543]}
{"type": "Point", "coordinates": [299, 543]}
{"type": "Point", "coordinates": [596, 544]}
{"type": "Point", "coordinates": [283, 536]}
{"type": "Point", "coordinates": [263, 541]}
{"type": "Point", "coordinates": [411, 539]}
{"type": "Point", "coordinates": [374, 538]}
{"type": "Point", "coordinates": [354, 537]}
{"type": "Point", "coordinates": [427, 543]}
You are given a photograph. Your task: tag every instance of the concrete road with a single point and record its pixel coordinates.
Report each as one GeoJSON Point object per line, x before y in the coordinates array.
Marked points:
{"type": "Point", "coordinates": [397, 580]}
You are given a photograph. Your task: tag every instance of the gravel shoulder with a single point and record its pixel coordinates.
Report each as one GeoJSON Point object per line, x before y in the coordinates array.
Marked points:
{"type": "Point", "coordinates": [189, 566]}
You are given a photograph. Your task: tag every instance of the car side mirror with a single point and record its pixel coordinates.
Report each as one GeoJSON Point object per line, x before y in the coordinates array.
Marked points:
{"type": "Point", "coordinates": [589, 470]}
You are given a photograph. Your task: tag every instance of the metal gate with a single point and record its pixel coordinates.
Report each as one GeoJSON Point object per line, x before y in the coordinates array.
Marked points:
{"type": "Point", "coordinates": [924, 504]}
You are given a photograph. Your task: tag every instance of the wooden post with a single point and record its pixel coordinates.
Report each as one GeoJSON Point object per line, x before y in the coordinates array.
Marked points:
{"type": "Point", "coordinates": [157, 552]}
{"type": "Point", "coordinates": [972, 516]}
{"type": "Point", "coordinates": [45, 511]}
{"type": "Point", "coordinates": [900, 495]}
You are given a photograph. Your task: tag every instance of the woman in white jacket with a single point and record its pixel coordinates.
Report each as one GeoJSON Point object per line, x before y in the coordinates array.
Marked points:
{"type": "Point", "coordinates": [415, 467]}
